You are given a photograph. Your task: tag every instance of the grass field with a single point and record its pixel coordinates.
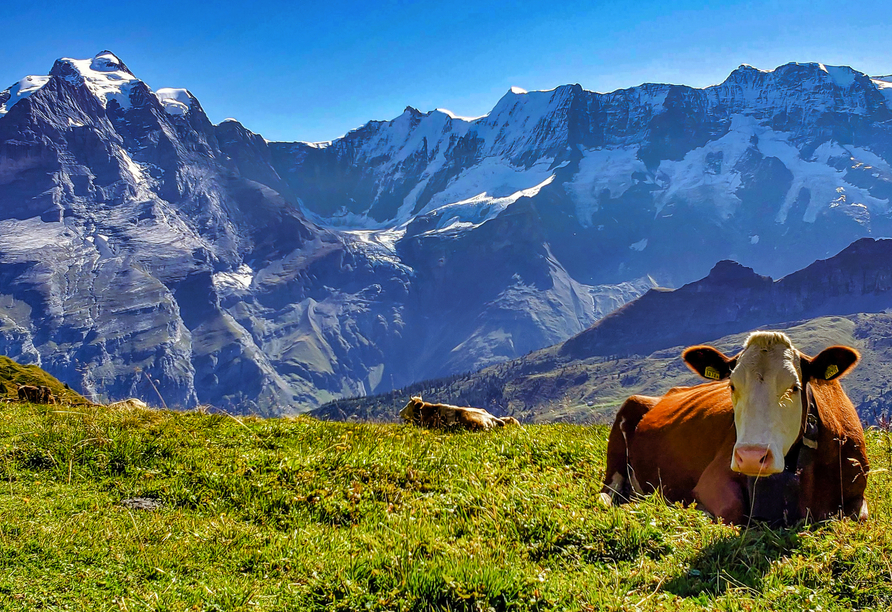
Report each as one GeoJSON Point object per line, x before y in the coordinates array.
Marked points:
{"type": "Point", "coordinates": [297, 514]}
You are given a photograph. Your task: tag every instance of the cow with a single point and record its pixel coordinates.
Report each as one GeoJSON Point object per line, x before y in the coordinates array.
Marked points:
{"type": "Point", "coordinates": [773, 436]}
{"type": "Point", "coordinates": [29, 393]}
{"type": "Point", "coordinates": [46, 396]}
{"type": "Point", "coordinates": [445, 416]}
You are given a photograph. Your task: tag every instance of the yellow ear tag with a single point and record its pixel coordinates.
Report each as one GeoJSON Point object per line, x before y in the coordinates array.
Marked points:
{"type": "Point", "coordinates": [831, 370]}
{"type": "Point", "coordinates": [711, 372]}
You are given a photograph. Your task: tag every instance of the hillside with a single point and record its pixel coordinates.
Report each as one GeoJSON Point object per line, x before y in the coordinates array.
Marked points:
{"type": "Point", "coordinates": [297, 514]}
{"type": "Point", "coordinates": [548, 386]}
{"type": "Point", "coordinates": [14, 375]}
{"type": "Point", "coordinates": [845, 299]}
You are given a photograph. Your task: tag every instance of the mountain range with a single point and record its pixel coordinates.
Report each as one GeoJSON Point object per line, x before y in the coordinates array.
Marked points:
{"type": "Point", "coordinates": [145, 251]}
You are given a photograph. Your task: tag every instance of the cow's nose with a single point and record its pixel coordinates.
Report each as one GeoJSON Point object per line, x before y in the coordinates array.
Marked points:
{"type": "Point", "coordinates": [754, 460]}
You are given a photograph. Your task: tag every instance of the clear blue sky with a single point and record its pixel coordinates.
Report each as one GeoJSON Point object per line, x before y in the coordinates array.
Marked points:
{"type": "Point", "coordinates": [313, 71]}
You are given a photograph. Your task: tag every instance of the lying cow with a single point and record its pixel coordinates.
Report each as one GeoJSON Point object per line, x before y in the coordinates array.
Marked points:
{"type": "Point", "coordinates": [770, 410]}
{"type": "Point", "coordinates": [30, 393]}
{"type": "Point", "coordinates": [445, 416]}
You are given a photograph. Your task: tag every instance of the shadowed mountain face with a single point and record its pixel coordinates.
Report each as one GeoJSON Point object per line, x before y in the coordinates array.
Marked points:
{"type": "Point", "coordinates": [733, 299]}
{"type": "Point", "coordinates": [145, 251]}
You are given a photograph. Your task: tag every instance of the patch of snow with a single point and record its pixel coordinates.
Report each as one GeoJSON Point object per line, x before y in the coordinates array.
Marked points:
{"type": "Point", "coordinates": [101, 242]}
{"type": "Point", "coordinates": [841, 75]}
{"type": "Point", "coordinates": [452, 115]}
{"type": "Point", "coordinates": [135, 170]}
{"type": "Point", "coordinates": [884, 85]}
{"type": "Point", "coordinates": [602, 170]}
{"type": "Point", "coordinates": [518, 90]}
{"type": "Point", "coordinates": [754, 239]}
{"type": "Point", "coordinates": [639, 246]}
{"type": "Point", "coordinates": [521, 123]}
{"type": "Point", "coordinates": [318, 145]}
{"type": "Point", "coordinates": [826, 185]}
{"type": "Point", "coordinates": [239, 280]}
{"type": "Point", "coordinates": [22, 90]}
{"type": "Point", "coordinates": [379, 245]}
{"type": "Point", "coordinates": [480, 208]}
{"type": "Point", "coordinates": [685, 179]}
{"type": "Point", "coordinates": [174, 101]}
{"type": "Point", "coordinates": [105, 76]}
{"type": "Point", "coordinates": [493, 183]}
{"type": "Point", "coordinates": [754, 68]}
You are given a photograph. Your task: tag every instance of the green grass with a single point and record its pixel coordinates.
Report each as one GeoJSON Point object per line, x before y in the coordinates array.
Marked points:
{"type": "Point", "coordinates": [297, 514]}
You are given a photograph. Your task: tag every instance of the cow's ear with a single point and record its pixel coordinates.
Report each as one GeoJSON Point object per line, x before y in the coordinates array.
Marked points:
{"type": "Point", "coordinates": [830, 364]}
{"type": "Point", "coordinates": [709, 362]}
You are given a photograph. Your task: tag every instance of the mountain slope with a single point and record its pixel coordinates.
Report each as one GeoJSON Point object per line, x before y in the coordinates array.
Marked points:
{"type": "Point", "coordinates": [636, 349]}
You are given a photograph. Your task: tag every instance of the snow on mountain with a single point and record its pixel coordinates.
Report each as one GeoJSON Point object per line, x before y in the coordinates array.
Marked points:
{"type": "Point", "coordinates": [175, 101]}
{"type": "Point", "coordinates": [21, 90]}
{"type": "Point", "coordinates": [884, 85]}
{"type": "Point", "coordinates": [104, 75]}
{"type": "Point", "coordinates": [529, 131]}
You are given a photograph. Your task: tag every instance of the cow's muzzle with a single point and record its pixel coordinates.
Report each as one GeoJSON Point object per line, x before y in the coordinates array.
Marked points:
{"type": "Point", "coordinates": [755, 460]}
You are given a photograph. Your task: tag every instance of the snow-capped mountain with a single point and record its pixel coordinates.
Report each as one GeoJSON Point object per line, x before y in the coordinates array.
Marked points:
{"type": "Point", "coordinates": [773, 168]}
{"type": "Point", "coordinates": [141, 246]}
{"type": "Point", "coordinates": [145, 251]}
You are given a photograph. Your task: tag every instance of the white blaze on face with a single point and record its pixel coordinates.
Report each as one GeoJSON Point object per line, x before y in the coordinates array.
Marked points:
{"type": "Point", "coordinates": [767, 403]}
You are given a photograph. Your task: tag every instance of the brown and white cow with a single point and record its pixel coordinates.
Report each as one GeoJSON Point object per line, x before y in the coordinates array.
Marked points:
{"type": "Point", "coordinates": [446, 416]}
{"type": "Point", "coordinates": [30, 393]}
{"type": "Point", "coordinates": [714, 444]}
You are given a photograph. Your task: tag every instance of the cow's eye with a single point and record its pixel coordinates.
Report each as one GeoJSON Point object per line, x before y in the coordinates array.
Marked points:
{"type": "Point", "coordinates": [732, 387]}
{"type": "Point", "coordinates": [796, 388]}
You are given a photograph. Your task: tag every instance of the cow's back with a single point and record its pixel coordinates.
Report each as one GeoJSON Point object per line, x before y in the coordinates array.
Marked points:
{"type": "Point", "coordinates": [680, 436]}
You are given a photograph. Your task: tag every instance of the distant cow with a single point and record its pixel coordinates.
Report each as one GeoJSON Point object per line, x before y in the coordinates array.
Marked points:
{"type": "Point", "coordinates": [46, 396]}
{"type": "Point", "coordinates": [445, 416]}
{"type": "Point", "coordinates": [774, 431]}
{"type": "Point", "coordinates": [30, 393]}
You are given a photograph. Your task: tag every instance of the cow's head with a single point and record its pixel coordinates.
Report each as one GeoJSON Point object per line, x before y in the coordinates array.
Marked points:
{"type": "Point", "coordinates": [767, 381]}
{"type": "Point", "coordinates": [411, 413]}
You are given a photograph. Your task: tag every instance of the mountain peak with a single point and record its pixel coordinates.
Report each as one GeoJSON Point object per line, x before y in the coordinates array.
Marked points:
{"type": "Point", "coordinates": [106, 61]}
{"type": "Point", "coordinates": [794, 73]}
{"type": "Point", "coordinates": [106, 76]}
{"type": "Point", "coordinates": [729, 272]}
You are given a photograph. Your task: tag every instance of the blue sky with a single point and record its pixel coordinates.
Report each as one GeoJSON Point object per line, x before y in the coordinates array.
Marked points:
{"type": "Point", "coordinates": [313, 71]}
